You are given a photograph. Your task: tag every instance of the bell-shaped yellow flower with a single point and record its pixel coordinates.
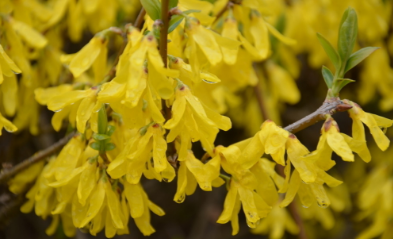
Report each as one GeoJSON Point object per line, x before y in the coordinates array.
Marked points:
{"type": "Point", "coordinates": [145, 144]}
{"type": "Point", "coordinates": [78, 104]}
{"type": "Point", "coordinates": [373, 122]}
{"type": "Point", "coordinates": [140, 206]}
{"type": "Point", "coordinates": [192, 121]}
{"type": "Point", "coordinates": [242, 189]}
{"type": "Point", "coordinates": [205, 45]}
{"type": "Point", "coordinates": [331, 140]}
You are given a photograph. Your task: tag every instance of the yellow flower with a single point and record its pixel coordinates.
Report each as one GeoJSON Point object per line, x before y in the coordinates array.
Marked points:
{"type": "Point", "coordinates": [311, 192]}
{"type": "Point", "coordinates": [242, 190]}
{"type": "Point", "coordinates": [204, 44]}
{"type": "Point", "coordinates": [256, 31]}
{"type": "Point", "coordinates": [330, 140]}
{"type": "Point", "coordinates": [78, 104]}
{"type": "Point", "coordinates": [296, 150]}
{"type": "Point", "coordinates": [140, 206]}
{"type": "Point", "coordinates": [192, 121]}
{"type": "Point", "coordinates": [373, 122]}
{"type": "Point", "coordinates": [144, 144]}
{"type": "Point", "coordinates": [7, 66]}
{"type": "Point", "coordinates": [192, 171]}
{"type": "Point", "coordinates": [94, 53]}
{"type": "Point", "coordinates": [271, 139]}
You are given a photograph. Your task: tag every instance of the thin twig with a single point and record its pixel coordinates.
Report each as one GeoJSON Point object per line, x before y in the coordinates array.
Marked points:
{"type": "Point", "coordinates": [328, 107]}
{"type": "Point", "coordinates": [220, 13]}
{"type": "Point", "coordinates": [41, 155]}
{"type": "Point", "coordinates": [261, 102]}
{"type": "Point", "coordinates": [139, 18]}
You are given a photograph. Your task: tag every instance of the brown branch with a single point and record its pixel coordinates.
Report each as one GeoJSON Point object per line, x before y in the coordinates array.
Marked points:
{"type": "Point", "coordinates": [328, 107]}
{"type": "Point", "coordinates": [164, 30]}
{"type": "Point", "coordinates": [41, 155]}
{"type": "Point", "coordinates": [261, 102]}
{"type": "Point", "coordinates": [139, 18]}
{"type": "Point", "coordinates": [220, 13]}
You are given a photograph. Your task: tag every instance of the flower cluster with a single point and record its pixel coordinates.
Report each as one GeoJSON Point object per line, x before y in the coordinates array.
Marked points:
{"type": "Point", "coordinates": [137, 115]}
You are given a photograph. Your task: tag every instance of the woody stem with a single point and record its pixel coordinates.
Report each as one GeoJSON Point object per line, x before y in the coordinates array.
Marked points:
{"type": "Point", "coordinates": [41, 155]}
{"type": "Point", "coordinates": [328, 107]}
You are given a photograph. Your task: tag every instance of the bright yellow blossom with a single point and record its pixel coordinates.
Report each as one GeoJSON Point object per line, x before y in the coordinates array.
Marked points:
{"type": "Point", "coordinates": [373, 122]}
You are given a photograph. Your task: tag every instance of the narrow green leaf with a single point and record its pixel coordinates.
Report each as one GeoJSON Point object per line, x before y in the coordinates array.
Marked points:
{"type": "Point", "coordinates": [173, 3]}
{"type": "Point", "coordinates": [330, 51]}
{"type": "Point", "coordinates": [340, 83]}
{"type": "Point", "coordinates": [327, 76]}
{"type": "Point", "coordinates": [101, 137]}
{"type": "Point", "coordinates": [109, 146]}
{"type": "Point", "coordinates": [153, 8]}
{"type": "Point", "coordinates": [177, 19]}
{"type": "Point", "coordinates": [95, 145]}
{"type": "Point", "coordinates": [347, 34]}
{"type": "Point", "coordinates": [358, 57]}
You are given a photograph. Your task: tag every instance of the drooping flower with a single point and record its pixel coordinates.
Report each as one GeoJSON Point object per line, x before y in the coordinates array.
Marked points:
{"type": "Point", "coordinates": [375, 123]}
{"type": "Point", "coordinates": [192, 121]}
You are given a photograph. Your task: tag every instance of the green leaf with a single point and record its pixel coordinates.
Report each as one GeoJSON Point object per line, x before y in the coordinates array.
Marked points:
{"type": "Point", "coordinates": [95, 145]}
{"type": "Point", "coordinates": [358, 57]}
{"type": "Point", "coordinates": [153, 8]}
{"type": "Point", "coordinates": [347, 34]}
{"type": "Point", "coordinates": [101, 137]}
{"type": "Point", "coordinates": [339, 84]}
{"type": "Point", "coordinates": [111, 129]}
{"type": "Point", "coordinates": [109, 146]}
{"type": "Point", "coordinates": [177, 19]}
{"type": "Point", "coordinates": [327, 76]}
{"type": "Point", "coordinates": [173, 3]}
{"type": "Point", "coordinates": [330, 51]}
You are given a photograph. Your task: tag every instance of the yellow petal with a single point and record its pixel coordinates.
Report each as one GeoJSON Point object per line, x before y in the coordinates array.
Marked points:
{"type": "Point", "coordinates": [296, 150]}
{"type": "Point", "coordinates": [10, 94]}
{"type": "Point", "coordinates": [229, 205]}
{"type": "Point", "coordinates": [207, 43]}
{"type": "Point", "coordinates": [337, 142]}
{"type": "Point", "coordinates": [320, 194]}
{"type": "Point", "coordinates": [31, 36]}
{"type": "Point", "coordinates": [134, 195]}
{"type": "Point", "coordinates": [159, 149]}
{"type": "Point", "coordinates": [230, 31]}
{"type": "Point", "coordinates": [279, 36]}
{"type": "Point", "coordinates": [95, 203]}
{"type": "Point", "coordinates": [8, 61]}
{"type": "Point", "coordinates": [294, 185]}
{"type": "Point", "coordinates": [87, 182]}
{"type": "Point", "coordinates": [86, 56]}
{"type": "Point", "coordinates": [113, 203]}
